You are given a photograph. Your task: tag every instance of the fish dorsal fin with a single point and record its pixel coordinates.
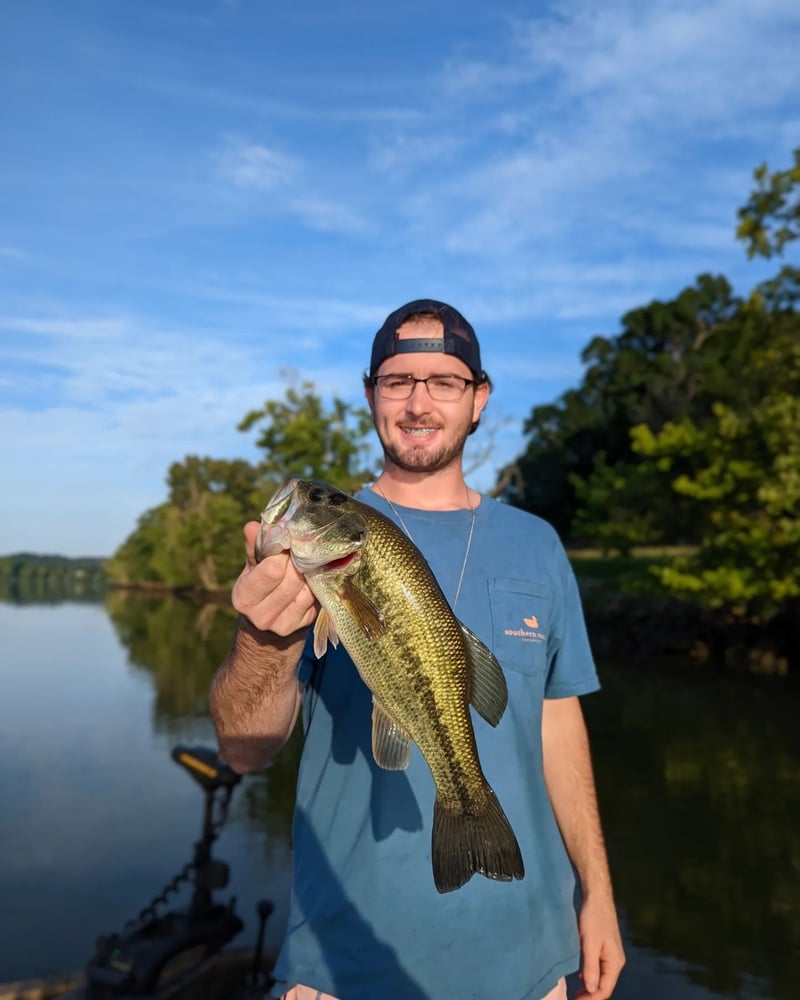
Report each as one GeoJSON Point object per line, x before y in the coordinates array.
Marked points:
{"type": "Point", "coordinates": [391, 747]}
{"type": "Point", "coordinates": [488, 691]}
{"type": "Point", "coordinates": [324, 633]}
{"type": "Point", "coordinates": [362, 610]}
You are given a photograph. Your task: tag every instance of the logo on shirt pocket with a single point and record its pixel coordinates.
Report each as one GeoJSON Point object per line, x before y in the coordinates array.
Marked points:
{"type": "Point", "coordinates": [531, 633]}
{"type": "Point", "coordinates": [521, 613]}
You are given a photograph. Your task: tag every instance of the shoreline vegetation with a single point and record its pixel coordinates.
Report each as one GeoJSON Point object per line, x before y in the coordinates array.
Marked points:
{"type": "Point", "coordinates": [626, 610]}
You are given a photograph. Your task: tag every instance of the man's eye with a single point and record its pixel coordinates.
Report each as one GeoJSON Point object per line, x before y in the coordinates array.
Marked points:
{"type": "Point", "coordinates": [395, 383]}
{"type": "Point", "coordinates": [444, 382]}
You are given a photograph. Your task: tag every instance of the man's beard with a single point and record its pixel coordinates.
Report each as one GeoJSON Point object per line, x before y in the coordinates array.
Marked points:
{"type": "Point", "coordinates": [421, 459]}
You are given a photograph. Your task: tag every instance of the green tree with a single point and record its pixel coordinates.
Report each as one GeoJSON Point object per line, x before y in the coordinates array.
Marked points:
{"type": "Point", "coordinates": [745, 494]}
{"type": "Point", "coordinates": [771, 217]}
{"type": "Point", "coordinates": [620, 505]}
{"type": "Point", "coordinates": [134, 560]}
{"type": "Point", "coordinates": [193, 540]}
{"type": "Point", "coordinates": [652, 372]}
{"type": "Point", "coordinates": [302, 436]}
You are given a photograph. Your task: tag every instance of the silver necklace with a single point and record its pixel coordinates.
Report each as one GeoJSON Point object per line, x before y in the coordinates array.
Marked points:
{"type": "Point", "coordinates": [404, 526]}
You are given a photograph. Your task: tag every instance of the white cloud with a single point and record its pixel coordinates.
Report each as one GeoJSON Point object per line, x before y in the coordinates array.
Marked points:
{"type": "Point", "coordinates": [689, 60]}
{"type": "Point", "coordinates": [252, 166]}
{"type": "Point", "coordinates": [88, 328]}
{"type": "Point", "coordinates": [329, 216]}
{"type": "Point", "coordinates": [589, 107]}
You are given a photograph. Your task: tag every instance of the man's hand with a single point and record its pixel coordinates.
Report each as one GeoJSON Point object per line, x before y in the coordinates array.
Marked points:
{"type": "Point", "coordinates": [272, 594]}
{"type": "Point", "coordinates": [601, 947]}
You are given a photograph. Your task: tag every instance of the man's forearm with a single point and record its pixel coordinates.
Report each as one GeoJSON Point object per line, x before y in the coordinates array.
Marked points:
{"type": "Point", "coordinates": [255, 695]}
{"type": "Point", "coordinates": [570, 784]}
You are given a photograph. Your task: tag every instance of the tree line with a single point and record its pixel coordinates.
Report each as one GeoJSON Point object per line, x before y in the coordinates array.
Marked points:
{"type": "Point", "coordinates": [684, 429]}
{"type": "Point", "coordinates": [28, 577]}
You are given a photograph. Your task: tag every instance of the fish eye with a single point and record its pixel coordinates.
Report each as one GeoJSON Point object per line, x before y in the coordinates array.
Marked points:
{"type": "Point", "coordinates": [338, 498]}
{"type": "Point", "coordinates": [316, 493]}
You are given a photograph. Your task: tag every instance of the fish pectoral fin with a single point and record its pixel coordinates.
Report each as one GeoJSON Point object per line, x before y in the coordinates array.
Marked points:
{"type": "Point", "coordinates": [488, 691]}
{"type": "Point", "coordinates": [391, 746]}
{"type": "Point", "coordinates": [363, 611]}
{"type": "Point", "coordinates": [324, 633]}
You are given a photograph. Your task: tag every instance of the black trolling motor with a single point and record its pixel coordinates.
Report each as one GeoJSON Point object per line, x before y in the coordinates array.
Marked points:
{"type": "Point", "coordinates": [173, 954]}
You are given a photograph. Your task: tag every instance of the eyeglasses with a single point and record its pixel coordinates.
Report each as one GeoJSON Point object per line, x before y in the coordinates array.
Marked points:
{"type": "Point", "coordinates": [442, 388]}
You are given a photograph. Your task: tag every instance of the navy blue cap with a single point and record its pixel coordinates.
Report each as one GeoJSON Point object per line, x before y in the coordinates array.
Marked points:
{"type": "Point", "coordinates": [459, 338]}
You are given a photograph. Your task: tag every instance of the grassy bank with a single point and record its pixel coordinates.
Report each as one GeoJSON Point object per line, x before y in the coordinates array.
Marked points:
{"type": "Point", "coordinates": [603, 575]}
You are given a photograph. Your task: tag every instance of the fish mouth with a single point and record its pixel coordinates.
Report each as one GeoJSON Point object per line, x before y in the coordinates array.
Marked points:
{"type": "Point", "coordinates": [313, 566]}
{"type": "Point", "coordinates": [314, 562]}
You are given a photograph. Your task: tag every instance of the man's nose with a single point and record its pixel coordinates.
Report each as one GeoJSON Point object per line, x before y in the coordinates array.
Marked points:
{"type": "Point", "coordinates": [420, 400]}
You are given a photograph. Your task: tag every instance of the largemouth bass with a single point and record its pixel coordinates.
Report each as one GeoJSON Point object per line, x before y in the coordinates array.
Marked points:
{"type": "Point", "coordinates": [424, 668]}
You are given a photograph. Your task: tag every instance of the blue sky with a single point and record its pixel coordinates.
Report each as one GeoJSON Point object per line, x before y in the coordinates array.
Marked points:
{"type": "Point", "coordinates": [197, 194]}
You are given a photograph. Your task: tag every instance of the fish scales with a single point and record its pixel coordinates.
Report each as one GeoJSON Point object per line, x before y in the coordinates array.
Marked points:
{"type": "Point", "coordinates": [380, 599]}
{"type": "Point", "coordinates": [437, 682]}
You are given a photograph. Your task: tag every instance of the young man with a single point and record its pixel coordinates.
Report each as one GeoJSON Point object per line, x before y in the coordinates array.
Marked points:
{"type": "Point", "coordinates": [366, 921]}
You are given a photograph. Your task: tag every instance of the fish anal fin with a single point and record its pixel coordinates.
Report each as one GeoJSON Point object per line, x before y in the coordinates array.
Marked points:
{"type": "Point", "coordinates": [391, 746]}
{"type": "Point", "coordinates": [324, 632]}
{"type": "Point", "coordinates": [362, 610]}
{"type": "Point", "coordinates": [482, 842]}
{"type": "Point", "coordinates": [488, 690]}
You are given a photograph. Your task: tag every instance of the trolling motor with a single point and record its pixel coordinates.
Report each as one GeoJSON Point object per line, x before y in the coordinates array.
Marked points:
{"type": "Point", "coordinates": [155, 951]}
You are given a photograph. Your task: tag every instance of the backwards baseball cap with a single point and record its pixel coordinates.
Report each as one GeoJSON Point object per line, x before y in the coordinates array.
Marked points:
{"type": "Point", "coordinates": [459, 338]}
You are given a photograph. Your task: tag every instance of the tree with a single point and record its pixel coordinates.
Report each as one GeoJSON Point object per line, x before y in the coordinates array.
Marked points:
{"type": "Point", "coordinates": [193, 540]}
{"type": "Point", "coordinates": [652, 372]}
{"type": "Point", "coordinates": [304, 437]}
{"type": "Point", "coordinates": [745, 493]}
{"type": "Point", "coordinates": [771, 217]}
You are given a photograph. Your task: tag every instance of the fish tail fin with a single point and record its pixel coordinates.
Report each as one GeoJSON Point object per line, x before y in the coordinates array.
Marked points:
{"type": "Point", "coordinates": [464, 843]}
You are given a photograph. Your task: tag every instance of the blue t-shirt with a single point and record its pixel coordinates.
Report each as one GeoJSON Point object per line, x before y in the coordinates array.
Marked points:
{"type": "Point", "coordinates": [365, 919]}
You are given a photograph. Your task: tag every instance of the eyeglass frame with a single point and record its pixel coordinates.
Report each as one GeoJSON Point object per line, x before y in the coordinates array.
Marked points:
{"type": "Point", "coordinates": [411, 381]}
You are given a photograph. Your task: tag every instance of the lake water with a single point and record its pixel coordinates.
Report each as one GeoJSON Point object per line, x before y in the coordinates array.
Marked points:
{"type": "Point", "coordinates": [698, 777]}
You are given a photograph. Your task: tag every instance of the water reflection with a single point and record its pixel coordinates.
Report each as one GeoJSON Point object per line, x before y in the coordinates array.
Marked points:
{"type": "Point", "coordinates": [699, 780]}
{"type": "Point", "coordinates": [182, 643]}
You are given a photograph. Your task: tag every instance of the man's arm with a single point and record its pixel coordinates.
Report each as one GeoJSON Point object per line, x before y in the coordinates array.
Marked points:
{"type": "Point", "coordinates": [570, 784]}
{"type": "Point", "coordinates": [255, 695]}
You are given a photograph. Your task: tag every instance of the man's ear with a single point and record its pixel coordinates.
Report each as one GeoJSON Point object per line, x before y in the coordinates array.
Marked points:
{"type": "Point", "coordinates": [480, 400]}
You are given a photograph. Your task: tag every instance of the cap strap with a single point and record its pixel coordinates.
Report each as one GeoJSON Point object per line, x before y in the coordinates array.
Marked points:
{"type": "Point", "coordinates": [419, 344]}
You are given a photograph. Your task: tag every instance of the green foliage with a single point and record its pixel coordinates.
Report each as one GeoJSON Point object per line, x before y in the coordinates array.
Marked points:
{"type": "Point", "coordinates": [745, 491]}
{"type": "Point", "coordinates": [656, 370]}
{"type": "Point", "coordinates": [193, 539]}
{"type": "Point", "coordinates": [303, 437]}
{"type": "Point", "coordinates": [619, 505]}
{"type": "Point", "coordinates": [771, 218]}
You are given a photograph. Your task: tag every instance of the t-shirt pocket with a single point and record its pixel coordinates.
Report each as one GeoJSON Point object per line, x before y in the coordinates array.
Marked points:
{"type": "Point", "coordinates": [521, 616]}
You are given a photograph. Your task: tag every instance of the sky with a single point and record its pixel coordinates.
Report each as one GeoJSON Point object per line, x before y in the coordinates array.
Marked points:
{"type": "Point", "coordinates": [199, 196]}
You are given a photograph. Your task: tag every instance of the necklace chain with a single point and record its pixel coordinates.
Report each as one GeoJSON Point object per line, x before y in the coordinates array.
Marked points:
{"type": "Point", "coordinates": [404, 526]}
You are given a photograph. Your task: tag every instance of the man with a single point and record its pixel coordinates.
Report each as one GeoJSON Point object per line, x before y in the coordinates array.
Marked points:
{"type": "Point", "coordinates": [366, 920]}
